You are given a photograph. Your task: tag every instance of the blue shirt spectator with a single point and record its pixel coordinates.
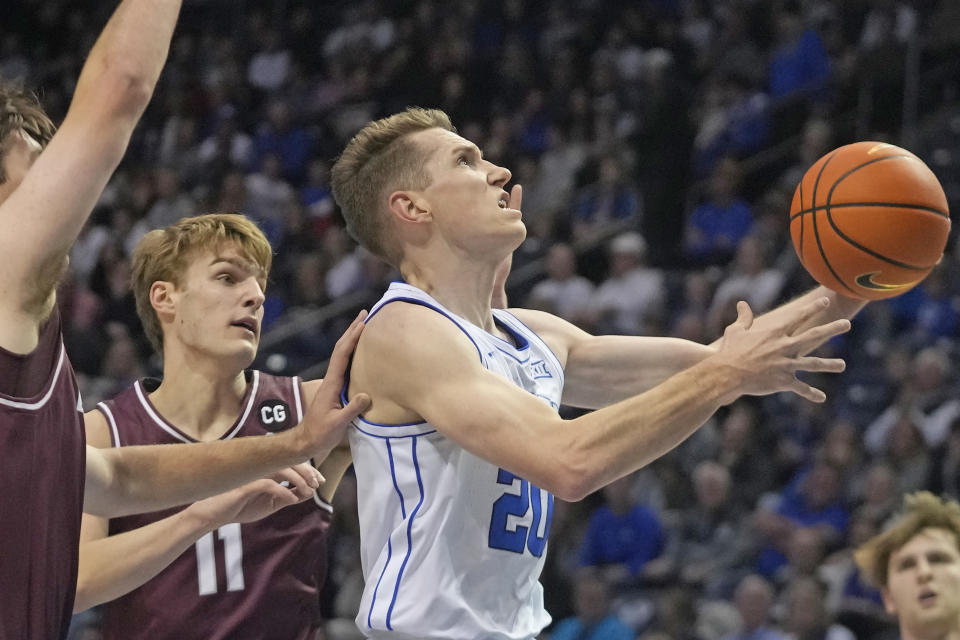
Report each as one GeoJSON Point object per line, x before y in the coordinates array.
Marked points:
{"type": "Point", "coordinates": [622, 532]}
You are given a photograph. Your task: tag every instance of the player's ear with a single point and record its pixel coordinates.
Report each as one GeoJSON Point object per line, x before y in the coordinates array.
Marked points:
{"type": "Point", "coordinates": [409, 206]}
{"type": "Point", "coordinates": [161, 298]}
{"type": "Point", "coordinates": [888, 604]}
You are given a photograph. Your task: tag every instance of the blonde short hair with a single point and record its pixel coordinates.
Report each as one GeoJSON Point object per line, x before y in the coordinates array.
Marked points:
{"type": "Point", "coordinates": [921, 510]}
{"type": "Point", "coordinates": [164, 254]}
{"type": "Point", "coordinates": [377, 160]}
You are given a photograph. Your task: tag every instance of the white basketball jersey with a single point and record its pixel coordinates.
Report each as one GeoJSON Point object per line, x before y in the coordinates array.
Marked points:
{"type": "Point", "coordinates": [452, 546]}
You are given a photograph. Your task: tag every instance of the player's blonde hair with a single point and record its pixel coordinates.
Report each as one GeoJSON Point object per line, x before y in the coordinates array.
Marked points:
{"type": "Point", "coordinates": [921, 510]}
{"type": "Point", "coordinates": [379, 159]}
{"type": "Point", "coordinates": [20, 110]}
{"type": "Point", "coordinates": [164, 254]}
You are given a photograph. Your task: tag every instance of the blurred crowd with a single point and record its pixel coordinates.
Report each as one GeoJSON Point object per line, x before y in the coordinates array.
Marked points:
{"type": "Point", "coordinates": [659, 143]}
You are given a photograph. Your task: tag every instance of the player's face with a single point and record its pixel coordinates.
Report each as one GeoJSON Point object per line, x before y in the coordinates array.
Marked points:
{"type": "Point", "coordinates": [923, 583]}
{"type": "Point", "coordinates": [21, 152]}
{"type": "Point", "coordinates": [467, 198]}
{"type": "Point", "coordinates": [219, 308]}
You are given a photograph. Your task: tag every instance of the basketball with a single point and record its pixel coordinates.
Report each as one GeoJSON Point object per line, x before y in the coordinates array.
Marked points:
{"type": "Point", "coordinates": [869, 220]}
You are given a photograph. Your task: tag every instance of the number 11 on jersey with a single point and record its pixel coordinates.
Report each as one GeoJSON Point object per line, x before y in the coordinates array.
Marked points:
{"type": "Point", "coordinates": [232, 560]}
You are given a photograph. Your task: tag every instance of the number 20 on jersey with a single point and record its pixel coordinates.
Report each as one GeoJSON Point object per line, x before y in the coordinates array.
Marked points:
{"type": "Point", "coordinates": [512, 504]}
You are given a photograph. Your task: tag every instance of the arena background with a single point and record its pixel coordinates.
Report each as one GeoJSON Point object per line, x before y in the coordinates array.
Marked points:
{"type": "Point", "coordinates": [659, 143]}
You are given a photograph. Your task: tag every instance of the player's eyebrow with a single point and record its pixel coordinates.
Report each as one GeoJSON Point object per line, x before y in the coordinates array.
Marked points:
{"type": "Point", "coordinates": [240, 263]}
{"type": "Point", "coordinates": [469, 149]}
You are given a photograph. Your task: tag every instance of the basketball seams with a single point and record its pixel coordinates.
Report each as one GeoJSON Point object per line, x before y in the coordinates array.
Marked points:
{"type": "Point", "coordinates": [816, 231]}
{"type": "Point", "coordinates": [891, 205]}
{"type": "Point", "coordinates": [851, 241]}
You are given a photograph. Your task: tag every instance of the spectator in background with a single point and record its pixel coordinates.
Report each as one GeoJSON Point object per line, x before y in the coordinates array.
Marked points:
{"type": "Point", "coordinates": [744, 454]}
{"type": "Point", "coordinates": [753, 599]}
{"type": "Point", "coordinates": [344, 264]}
{"type": "Point", "coordinates": [812, 500]}
{"type": "Point", "coordinates": [228, 146]}
{"type": "Point", "coordinates": [565, 292]}
{"type": "Point", "coordinates": [171, 203]}
{"type": "Point", "coordinates": [707, 541]}
{"type": "Point", "coordinates": [270, 66]}
{"type": "Point", "coordinates": [317, 196]}
{"type": "Point", "coordinates": [807, 616]}
{"type": "Point", "coordinates": [267, 196]}
{"type": "Point", "coordinates": [622, 535]}
{"type": "Point", "coordinates": [735, 122]}
{"type": "Point", "coordinates": [751, 278]}
{"type": "Point", "coordinates": [289, 142]}
{"type": "Point", "coordinates": [593, 619]}
{"type": "Point", "coordinates": [609, 199]}
{"type": "Point", "coordinates": [927, 399]}
{"type": "Point", "coordinates": [718, 224]}
{"type": "Point", "coordinates": [799, 62]}
{"type": "Point", "coordinates": [631, 300]}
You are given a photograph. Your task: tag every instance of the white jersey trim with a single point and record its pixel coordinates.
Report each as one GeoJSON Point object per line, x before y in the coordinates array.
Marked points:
{"type": "Point", "coordinates": [296, 398]}
{"type": "Point", "coordinates": [391, 560]}
{"type": "Point", "coordinates": [160, 422]}
{"type": "Point", "coordinates": [113, 423]}
{"type": "Point", "coordinates": [33, 406]}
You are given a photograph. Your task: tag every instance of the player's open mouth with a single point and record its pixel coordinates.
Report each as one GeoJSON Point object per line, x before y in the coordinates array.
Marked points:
{"type": "Point", "coordinates": [504, 201]}
{"type": "Point", "coordinates": [927, 598]}
{"type": "Point", "coordinates": [247, 323]}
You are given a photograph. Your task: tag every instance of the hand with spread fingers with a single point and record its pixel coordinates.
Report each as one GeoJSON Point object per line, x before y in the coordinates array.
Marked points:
{"type": "Point", "coordinates": [766, 360]}
{"type": "Point", "coordinates": [326, 419]}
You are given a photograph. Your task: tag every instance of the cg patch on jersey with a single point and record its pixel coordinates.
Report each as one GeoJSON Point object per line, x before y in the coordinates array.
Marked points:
{"type": "Point", "coordinates": [274, 415]}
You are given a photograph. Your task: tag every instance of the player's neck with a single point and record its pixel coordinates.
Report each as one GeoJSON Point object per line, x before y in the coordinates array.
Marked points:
{"type": "Point", "coordinates": [200, 402]}
{"type": "Point", "coordinates": [464, 289]}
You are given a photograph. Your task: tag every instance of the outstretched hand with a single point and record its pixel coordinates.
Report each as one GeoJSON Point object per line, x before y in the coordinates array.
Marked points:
{"type": "Point", "coordinates": [259, 498]}
{"type": "Point", "coordinates": [326, 420]}
{"type": "Point", "coordinates": [767, 360]}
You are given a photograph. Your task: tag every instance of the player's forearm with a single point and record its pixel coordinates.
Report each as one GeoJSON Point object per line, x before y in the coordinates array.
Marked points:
{"type": "Point", "coordinates": [612, 442]}
{"type": "Point", "coordinates": [148, 478]}
{"type": "Point", "coordinates": [607, 369]}
{"type": "Point", "coordinates": [113, 566]}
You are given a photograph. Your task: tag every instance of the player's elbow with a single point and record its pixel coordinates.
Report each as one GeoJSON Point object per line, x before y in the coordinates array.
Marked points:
{"type": "Point", "coordinates": [573, 477]}
{"type": "Point", "coordinates": [130, 88]}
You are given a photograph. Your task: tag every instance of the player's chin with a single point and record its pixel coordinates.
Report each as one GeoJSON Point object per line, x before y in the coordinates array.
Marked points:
{"type": "Point", "coordinates": [243, 352]}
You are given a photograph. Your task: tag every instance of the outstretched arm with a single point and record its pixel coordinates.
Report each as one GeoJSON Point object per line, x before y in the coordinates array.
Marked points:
{"type": "Point", "coordinates": [444, 383]}
{"type": "Point", "coordinates": [42, 217]}
{"type": "Point", "coordinates": [128, 480]}
{"type": "Point", "coordinates": [601, 370]}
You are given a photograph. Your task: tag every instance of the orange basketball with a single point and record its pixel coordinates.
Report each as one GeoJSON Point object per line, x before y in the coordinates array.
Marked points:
{"type": "Point", "coordinates": [869, 220]}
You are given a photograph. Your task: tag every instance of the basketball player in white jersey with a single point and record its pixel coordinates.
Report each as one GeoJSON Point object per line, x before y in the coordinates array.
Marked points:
{"type": "Point", "coordinates": [460, 454]}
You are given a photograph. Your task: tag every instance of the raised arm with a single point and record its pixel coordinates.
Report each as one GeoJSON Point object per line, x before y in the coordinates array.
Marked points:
{"type": "Point", "coordinates": [128, 480]}
{"type": "Point", "coordinates": [42, 217]}
{"type": "Point", "coordinates": [444, 383]}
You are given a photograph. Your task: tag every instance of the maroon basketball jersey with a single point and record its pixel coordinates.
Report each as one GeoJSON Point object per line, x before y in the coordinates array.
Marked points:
{"type": "Point", "coordinates": [42, 472]}
{"type": "Point", "coordinates": [252, 581]}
